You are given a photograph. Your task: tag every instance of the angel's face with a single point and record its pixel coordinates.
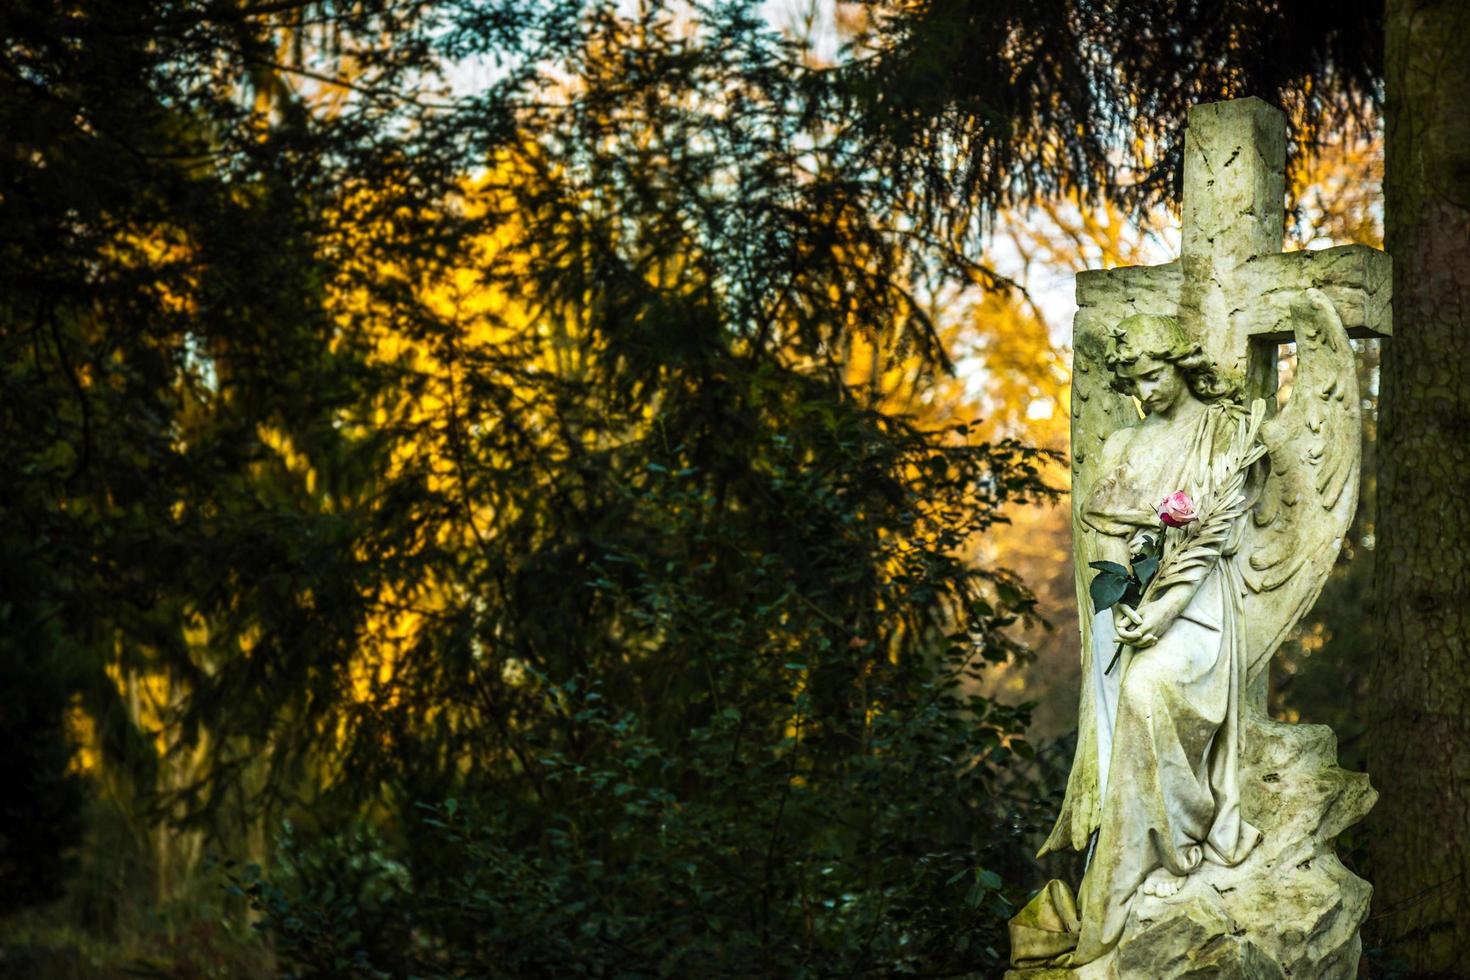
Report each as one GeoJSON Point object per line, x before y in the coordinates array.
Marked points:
{"type": "Point", "coordinates": [1159, 384]}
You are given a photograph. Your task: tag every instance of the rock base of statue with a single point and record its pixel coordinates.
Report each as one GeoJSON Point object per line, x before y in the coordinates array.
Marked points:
{"type": "Point", "coordinates": [1289, 910]}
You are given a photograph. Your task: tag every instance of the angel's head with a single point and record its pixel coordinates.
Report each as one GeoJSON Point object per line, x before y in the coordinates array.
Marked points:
{"type": "Point", "coordinates": [1153, 359]}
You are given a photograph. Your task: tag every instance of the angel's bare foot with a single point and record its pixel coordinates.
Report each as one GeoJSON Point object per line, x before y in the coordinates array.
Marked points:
{"type": "Point", "coordinates": [1162, 883]}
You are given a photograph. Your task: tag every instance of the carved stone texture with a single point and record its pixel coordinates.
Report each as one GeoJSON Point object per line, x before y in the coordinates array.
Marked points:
{"type": "Point", "coordinates": [1358, 280]}
{"type": "Point", "coordinates": [1209, 828]}
{"type": "Point", "coordinates": [1234, 209]}
{"type": "Point", "coordinates": [1290, 910]}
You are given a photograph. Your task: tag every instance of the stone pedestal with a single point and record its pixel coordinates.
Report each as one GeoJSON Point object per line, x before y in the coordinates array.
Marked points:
{"type": "Point", "coordinates": [1290, 910]}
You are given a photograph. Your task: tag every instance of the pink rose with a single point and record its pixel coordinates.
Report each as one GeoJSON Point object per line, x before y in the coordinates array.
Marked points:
{"type": "Point", "coordinates": [1177, 510]}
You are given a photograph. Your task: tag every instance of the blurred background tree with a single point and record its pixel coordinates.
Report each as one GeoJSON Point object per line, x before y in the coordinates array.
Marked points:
{"type": "Point", "coordinates": [480, 480]}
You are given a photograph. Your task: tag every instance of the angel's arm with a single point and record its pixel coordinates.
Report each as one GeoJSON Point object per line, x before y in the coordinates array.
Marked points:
{"type": "Point", "coordinates": [1112, 507]}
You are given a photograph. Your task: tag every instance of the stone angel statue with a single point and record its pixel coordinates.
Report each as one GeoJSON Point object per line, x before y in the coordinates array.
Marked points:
{"type": "Point", "coordinates": [1156, 792]}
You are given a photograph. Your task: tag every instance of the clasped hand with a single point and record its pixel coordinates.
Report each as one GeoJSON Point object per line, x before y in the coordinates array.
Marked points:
{"type": "Point", "coordinates": [1141, 628]}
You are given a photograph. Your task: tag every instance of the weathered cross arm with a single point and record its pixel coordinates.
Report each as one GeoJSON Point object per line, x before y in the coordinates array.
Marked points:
{"type": "Point", "coordinates": [1358, 280]}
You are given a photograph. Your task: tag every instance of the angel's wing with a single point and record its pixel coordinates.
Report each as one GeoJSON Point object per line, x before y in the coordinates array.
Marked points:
{"type": "Point", "coordinates": [1307, 504]}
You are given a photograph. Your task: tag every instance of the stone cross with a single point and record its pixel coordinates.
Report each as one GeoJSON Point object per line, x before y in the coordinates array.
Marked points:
{"type": "Point", "coordinates": [1233, 290]}
{"type": "Point", "coordinates": [1233, 285]}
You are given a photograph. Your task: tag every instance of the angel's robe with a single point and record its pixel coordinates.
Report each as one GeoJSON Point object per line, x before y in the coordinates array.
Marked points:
{"type": "Point", "coordinates": [1167, 719]}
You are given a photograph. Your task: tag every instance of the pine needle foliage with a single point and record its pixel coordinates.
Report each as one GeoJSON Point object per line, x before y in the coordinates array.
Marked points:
{"type": "Point", "coordinates": [992, 104]}
{"type": "Point", "coordinates": [479, 469]}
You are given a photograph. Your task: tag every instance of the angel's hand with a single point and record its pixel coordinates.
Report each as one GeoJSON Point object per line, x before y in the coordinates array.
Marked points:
{"type": "Point", "coordinates": [1143, 541]}
{"type": "Point", "coordinates": [1141, 628]}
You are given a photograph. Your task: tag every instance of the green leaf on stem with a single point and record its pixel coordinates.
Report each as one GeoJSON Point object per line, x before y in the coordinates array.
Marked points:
{"type": "Point", "coordinates": [1110, 567]}
{"type": "Point", "coordinates": [1106, 589]}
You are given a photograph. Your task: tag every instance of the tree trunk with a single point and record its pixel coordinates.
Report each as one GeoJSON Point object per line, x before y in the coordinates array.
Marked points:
{"type": "Point", "coordinates": [1419, 836]}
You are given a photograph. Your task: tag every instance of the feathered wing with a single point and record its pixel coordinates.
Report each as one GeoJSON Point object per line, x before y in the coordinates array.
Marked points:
{"type": "Point", "coordinates": [1315, 446]}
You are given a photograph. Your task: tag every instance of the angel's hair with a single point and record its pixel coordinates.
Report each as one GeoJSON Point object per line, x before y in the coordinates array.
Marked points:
{"type": "Point", "coordinates": [1162, 338]}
